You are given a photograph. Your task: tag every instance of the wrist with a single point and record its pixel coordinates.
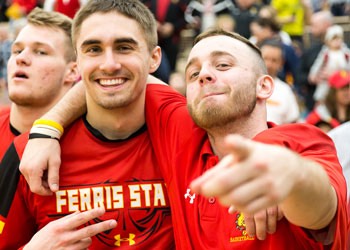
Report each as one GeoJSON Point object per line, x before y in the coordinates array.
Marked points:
{"type": "Point", "coordinates": [45, 128]}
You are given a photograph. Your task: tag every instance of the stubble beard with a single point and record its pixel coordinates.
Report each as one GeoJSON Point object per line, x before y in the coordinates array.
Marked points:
{"type": "Point", "coordinates": [210, 115]}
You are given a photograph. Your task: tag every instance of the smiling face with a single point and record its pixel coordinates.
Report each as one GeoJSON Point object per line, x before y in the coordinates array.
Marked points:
{"type": "Point", "coordinates": [114, 61]}
{"type": "Point", "coordinates": [37, 66]}
{"type": "Point", "coordinates": [221, 81]}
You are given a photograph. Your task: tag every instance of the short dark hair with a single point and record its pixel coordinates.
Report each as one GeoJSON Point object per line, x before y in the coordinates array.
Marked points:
{"type": "Point", "coordinates": [268, 23]}
{"type": "Point", "coordinates": [276, 43]}
{"type": "Point", "coordinates": [133, 9]}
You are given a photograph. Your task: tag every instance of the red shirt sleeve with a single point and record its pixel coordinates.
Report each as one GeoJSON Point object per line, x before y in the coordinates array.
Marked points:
{"type": "Point", "coordinates": [310, 142]}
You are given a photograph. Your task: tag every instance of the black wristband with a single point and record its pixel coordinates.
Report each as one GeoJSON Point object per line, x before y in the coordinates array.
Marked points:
{"type": "Point", "coordinates": [41, 136]}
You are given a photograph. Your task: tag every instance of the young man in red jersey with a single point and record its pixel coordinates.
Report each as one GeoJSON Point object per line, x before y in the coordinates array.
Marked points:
{"type": "Point", "coordinates": [107, 159]}
{"type": "Point", "coordinates": [41, 69]}
{"type": "Point", "coordinates": [227, 89]}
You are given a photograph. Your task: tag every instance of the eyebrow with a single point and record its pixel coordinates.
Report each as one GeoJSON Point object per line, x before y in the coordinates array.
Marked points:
{"type": "Point", "coordinates": [116, 41]}
{"type": "Point", "coordinates": [214, 54]}
{"type": "Point", "coordinates": [18, 43]}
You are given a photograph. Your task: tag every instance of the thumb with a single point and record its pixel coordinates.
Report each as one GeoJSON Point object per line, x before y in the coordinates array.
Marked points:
{"type": "Point", "coordinates": [238, 146]}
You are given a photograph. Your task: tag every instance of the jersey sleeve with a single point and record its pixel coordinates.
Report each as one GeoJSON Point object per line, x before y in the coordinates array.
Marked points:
{"type": "Point", "coordinates": [9, 176]}
{"type": "Point", "coordinates": [311, 143]}
{"type": "Point", "coordinates": [20, 224]}
{"type": "Point", "coordinates": [169, 123]}
{"type": "Point", "coordinates": [17, 225]}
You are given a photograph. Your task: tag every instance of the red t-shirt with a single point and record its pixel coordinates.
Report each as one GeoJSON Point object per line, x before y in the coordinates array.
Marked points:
{"type": "Point", "coordinates": [122, 175]}
{"type": "Point", "coordinates": [184, 153]}
{"type": "Point", "coordinates": [7, 133]}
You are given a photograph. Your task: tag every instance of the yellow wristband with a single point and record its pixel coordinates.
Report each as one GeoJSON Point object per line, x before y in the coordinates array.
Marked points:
{"type": "Point", "coordinates": [51, 123]}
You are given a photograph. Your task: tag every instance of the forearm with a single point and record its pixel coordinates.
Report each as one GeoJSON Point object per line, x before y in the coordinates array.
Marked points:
{"type": "Point", "coordinates": [312, 203]}
{"type": "Point", "coordinates": [70, 107]}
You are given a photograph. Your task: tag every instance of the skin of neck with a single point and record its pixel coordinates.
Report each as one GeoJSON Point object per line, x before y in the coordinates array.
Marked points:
{"type": "Point", "coordinates": [247, 127]}
{"type": "Point", "coordinates": [118, 123]}
{"type": "Point", "coordinates": [22, 118]}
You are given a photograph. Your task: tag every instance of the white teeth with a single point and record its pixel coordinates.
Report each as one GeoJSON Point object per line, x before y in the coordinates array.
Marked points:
{"type": "Point", "coordinates": [110, 82]}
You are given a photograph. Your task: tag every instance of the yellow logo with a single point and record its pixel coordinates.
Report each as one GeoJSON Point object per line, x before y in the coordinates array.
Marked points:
{"type": "Point", "coordinates": [240, 225]}
{"type": "Point", "coordinates": [119, 240]}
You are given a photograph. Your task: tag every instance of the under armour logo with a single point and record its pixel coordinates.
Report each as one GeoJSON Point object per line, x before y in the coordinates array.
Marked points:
{"type": "Point", "coordinates": [119, 240]}
{"type": "Point", "coordinates": [188, 195]}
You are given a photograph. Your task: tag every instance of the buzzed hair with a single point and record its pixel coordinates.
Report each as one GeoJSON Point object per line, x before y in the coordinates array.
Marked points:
{"type": "Point", "coordinates": [260, 67]}
{"type": "Point", "coordinates": [55, 20]}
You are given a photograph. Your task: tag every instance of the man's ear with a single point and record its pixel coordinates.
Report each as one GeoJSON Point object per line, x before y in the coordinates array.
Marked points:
{"type": "Point", "coordinates": [156, 58]}
{"type": "Point", "coordinates": [72, 74]}
{"type": "Point", "coordinates": [264, 87]}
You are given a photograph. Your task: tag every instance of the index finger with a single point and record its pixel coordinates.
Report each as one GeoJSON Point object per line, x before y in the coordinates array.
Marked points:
{"type": "Point", "coordinates": [238, 146]}
{"type": "Point", "coordinates": [92, 230]}
{"type": "Point", "coordinates": [80, 218]}
{"type": "Point", "coordinates": [196, 185]}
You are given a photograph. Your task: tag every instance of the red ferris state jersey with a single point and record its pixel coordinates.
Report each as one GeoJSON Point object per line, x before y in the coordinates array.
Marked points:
{"type": "Point", "coordinates": [200, 223]}
{"type": "Point", "coordinates": [121, 175]}
{"type": "Point", "coordinates": [7, 132]}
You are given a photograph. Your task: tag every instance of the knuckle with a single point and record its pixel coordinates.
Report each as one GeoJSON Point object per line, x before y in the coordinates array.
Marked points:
{"type": "Point", "coordinates": [34, 189]}
{"type": "Point", "coordinates": [89, 231]}
{"type": "Point", "coordinates": [248, 217]}
{"type": "Point", "coordinates": [272, 211]}
{"type": "Point", "coordinates": [261, 216]}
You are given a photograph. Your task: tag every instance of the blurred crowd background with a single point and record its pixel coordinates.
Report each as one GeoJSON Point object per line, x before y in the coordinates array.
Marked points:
{"type": "Point", "coordinates": [305, 44]}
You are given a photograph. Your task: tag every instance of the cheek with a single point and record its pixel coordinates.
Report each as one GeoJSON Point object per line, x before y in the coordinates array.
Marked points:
{"type": "Point", "coordinates": [10, 64]}
{"type": "Point", "coordinates": [85, 69]}
{"type": "Point", "coordinates": [342, 96]}
{"type": "Point", "coordinates": [48, 73]}
{"type": "Point", "coordinates": [190, 92]}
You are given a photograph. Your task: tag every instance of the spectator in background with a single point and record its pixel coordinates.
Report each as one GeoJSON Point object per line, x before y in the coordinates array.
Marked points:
{"type": "Point", "coordinates": [225, 22]}
{"type": "Point", "coordinates": [336, 109]}
{"type": "Point", "coordinates": [7, 36]}
{"type": "Point", "coordinates": [5, 51]}
{"type": "Point", "coordinates": [4, 4]}
{"type": "Point", "coordinates": [202, 14]}
{"type": "Point", "coordinates": [341, 137]}
{"type": "Point", "coordinates": [171, 21]}
{"type": "Point", "coordinates": [67, 7]}
{"type": "Point", "coordinates": [318, 5]}
{"type": "Point", "coordinates": [320, 21]}
{"type": "Point", "coordinates": [244, 13]}
{"type": "Point", "coordinates": [282, 105]}
{"type": "Point", "coordinates": [269, 12]}
{"type": "Point", "coordinates": [20, 8]}
{"type": "Point", "coordinates": [334, 56]}
{"type": "Point", "coordinates": [339, 7]}
{"type": "Point", "coordinates": [292, 15]}
{"type": "Point", "coordinates": [267, 29]}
